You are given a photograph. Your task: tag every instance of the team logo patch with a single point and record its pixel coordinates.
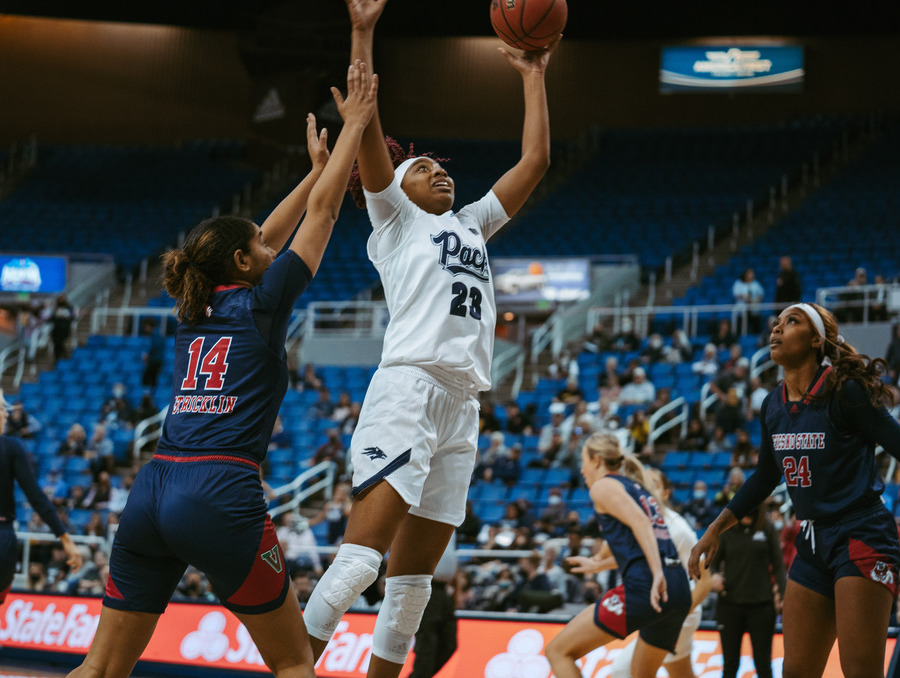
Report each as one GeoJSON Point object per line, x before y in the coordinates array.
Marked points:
{"type": "Point", "coordinates": [882, 573]}
{"type": "Point", "coordinates": [374, 453]}
{"type": "Point", "coordinates": [272, 558]}
{"type": "Point", "coordinates": [614, 604]}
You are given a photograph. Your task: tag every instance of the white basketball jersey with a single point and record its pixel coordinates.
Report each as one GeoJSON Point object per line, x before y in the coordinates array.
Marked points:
{"type": "Point", "coordinates": [437, 283]}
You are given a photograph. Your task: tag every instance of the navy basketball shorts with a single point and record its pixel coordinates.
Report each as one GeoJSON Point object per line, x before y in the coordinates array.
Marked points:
{"type": "Point", "coordinates": [9, 556]}
{"type": "Point", "coordinates": [626, 608]}
{"type": "Point", "coordinates": [862, 544]}
{"type": "Point", "coordinates": [209, 512]}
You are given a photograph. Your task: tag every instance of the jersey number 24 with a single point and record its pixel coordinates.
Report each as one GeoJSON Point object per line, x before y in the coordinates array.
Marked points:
{"type": "Point", "coordinates": [796, 471]}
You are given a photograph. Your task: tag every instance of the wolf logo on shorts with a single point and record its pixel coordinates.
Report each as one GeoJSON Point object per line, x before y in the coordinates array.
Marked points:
{"type": "Point", "coordinates": [374, 453]}
{"type": "Point", "coordinates": [883, 574]}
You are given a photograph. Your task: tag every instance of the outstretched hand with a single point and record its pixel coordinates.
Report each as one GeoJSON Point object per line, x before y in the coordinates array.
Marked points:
{"type": "Point", "coordinates": [705, 548]}
{"type": "Point", "coordinates": [316, 143]}
{"type": "Point", "coordinates": [364, 13]}
{"type": "Point", "coordinates": [362, 95]}
{"type": "Point", "coordinates": [532, 60]}
{"type": "Point", "coordinates": [581, 564]}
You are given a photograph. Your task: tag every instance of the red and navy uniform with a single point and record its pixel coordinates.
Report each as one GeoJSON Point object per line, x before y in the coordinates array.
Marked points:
{"type": "Point", "coordinates": [825, 450]}
{"type": "Point", "coordinates": [627, 608]}
{"type": "Point", "coordinates": [200, 500]}
{"type": "Point", "coordinates": [14, 467]}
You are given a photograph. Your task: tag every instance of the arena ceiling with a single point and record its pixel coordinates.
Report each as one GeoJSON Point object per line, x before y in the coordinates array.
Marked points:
{"type": "Point", "coordinates": [588, 19]}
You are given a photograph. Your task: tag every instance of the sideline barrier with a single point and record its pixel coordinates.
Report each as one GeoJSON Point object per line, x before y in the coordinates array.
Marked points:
{"type": "Point", "coordinates": [208, 636]}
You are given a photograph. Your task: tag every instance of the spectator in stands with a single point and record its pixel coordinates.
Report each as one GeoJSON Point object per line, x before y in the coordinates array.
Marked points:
{"type": "Point", "coordinates": [507, 468]}
{"type": "Point", "coordinates": [281, 438]}
{"type": "Point", "coordinates": [737, 379]}
{"type": "Point", "coordinates": [610, 393]}
{"type": "Point", "coordinates": [75, 500]}
{"type": "Point", "coordinates": [55, 487]}
{"type": "Point", "coordinates": [571, 393]}
{"type": "Point", "coordinates": [518, 422]}
{"type": "Point", "coordinates": [99, 445]}
{"type": "Point", "coordinates": [655, 351]}
{"type": "Point", "coordinates": [663, 398]}
{"type": "Point", "coordinates": [335, 512]}
{"type": "Point", "coordinates": [144, 410]}
{"type": "Point", "coordinates": [788, 286]}
{"type": "Point", "coordinates": [489, 455]}
{"type": "Point", "coordinates": [74, 443]}
{"type": "Point", "coordinates": [154, 355]}
{"type": "Point", "coordinates": [467, 532]}
{"type": "Point", "coordinates": [696, 437]}
{"type": "Point", "coordinates": [532, 580]}
{"type": "Point", "coordinates": [119, 495]}
{"type": "Point", "coordinates": [332, 450]}
{"type": "Point", "coordinates": [302, 584]}
{"type": "Point", "coordinates": [348, 425]}
{"type": "Point", "coordinates": [699, 510]}
{"type": "Point", "coordinates": [342, 407]}
{"type": "Point", "coordinates": [640, 391]}
{"type": "Point", "coordinates": [564, 367]}
{"type": "Point", "coordinates": [556, 425]}
{"type": "Point", "coordinates": [720, 441]}
{"type": "Point", "coordinates": [95, 526]}
{"type": "Point", "coordinates": [193, 587]}
{"type": "Point", "coordinates": [736, 478]}
{"type": "Point", "coordinates": [748, 294]}
{"type": "Point", "coordinates": [724, 337]}
{"type": "Point", "coordinates": [488, 422]}
{"type": "Point", "coordinates": [98, 494]}
{"type": "Point", "coordinates": [745, 454]}
{"type": "Point", "coordinates": [115, 411]}
{"type": "Point", "coordinates": [37, 577]}
{"type": "Point", "coordinates": [310, 380]}
{"type": "Point", "coordinates": [708, 365]}
{"type": "Point", "coordinates": [610, 372]}
{"type": "Point", "coordinates": [581, 418]}
{"type": "Point", "coordinates": [878, 310]}
{"type": "Point", "coordinates": [682, 350]}
{"type": "Point", "coordinates": [892, 355]}
{"type": "Point", "coordinates": [323, 407]}
{"type": "Point", "coordinates": [20, 423]}
{"type": "Point", "coordinates": [755, 399]}
{"type": "Point", "coordinates": [598, 340]}
{"type": "Point", "coordinates": [626, 340]}
{"type": "Point", "coordinates": [299, 543]}
{"type": "Point", "coordinates": [730, 413]}
{"type": "Point", "coordinates": [638, 426]}
{"type": "Point", "coordinates": [61, 327]}
{"type": "Point", "coordinates": [851, 309]}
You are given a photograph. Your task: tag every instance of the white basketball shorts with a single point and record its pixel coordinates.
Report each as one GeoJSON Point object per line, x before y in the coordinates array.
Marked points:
{"type": "Point", "coordinates": [421, 437]}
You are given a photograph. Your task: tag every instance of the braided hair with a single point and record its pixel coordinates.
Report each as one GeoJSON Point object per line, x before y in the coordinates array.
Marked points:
{"type": "Point", "coordinates": [398, 157]}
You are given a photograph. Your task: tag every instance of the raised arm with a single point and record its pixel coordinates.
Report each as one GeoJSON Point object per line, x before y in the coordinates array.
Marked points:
{"type": "Point", "coordinates": [376, 171]}
{"type": "Point", "coordinates": [326, 196]}
{"type": "Point", "coordinates": [514, 187]}
{"type": "Point", "coordinates": [279, 225]}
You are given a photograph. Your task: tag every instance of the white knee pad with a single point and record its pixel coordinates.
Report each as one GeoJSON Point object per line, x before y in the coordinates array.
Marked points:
{"type": "Point", "coordinates": [405, 598]}
{"type": "Point", "coordinates": [353, 570]}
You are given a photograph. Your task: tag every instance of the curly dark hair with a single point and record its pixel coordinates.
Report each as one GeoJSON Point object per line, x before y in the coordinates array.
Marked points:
{"type": "Point", "coordinates": [205, 260]}
{"type": "Point", "coordinates": [398, 157]}
{"type": "Point", "coordinates": [848, 364]}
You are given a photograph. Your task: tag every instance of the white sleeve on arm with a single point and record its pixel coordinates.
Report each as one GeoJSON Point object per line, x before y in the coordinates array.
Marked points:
{"type": "Point", "coordinates": [487, 212]}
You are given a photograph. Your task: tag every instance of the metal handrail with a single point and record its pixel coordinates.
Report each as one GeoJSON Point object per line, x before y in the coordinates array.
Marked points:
{"type": "Point", "coordinates": [14, 354]}
{"type": "Point", "coordinates": [679, 419]}
{"type": "Point", "coordinates": [707, 399]}
{"type": "Point", "coordinates": [299, 492]}
{"type": "Point", "coordinates": [143, 433]}
{"type": "Point", "coordinates": [511, 358]}
{"type": "Point", "coordinates": [26, 538]}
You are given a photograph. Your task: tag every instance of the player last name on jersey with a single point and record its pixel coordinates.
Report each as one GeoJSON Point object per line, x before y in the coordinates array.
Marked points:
{"type": "Point", "coordinates": [220, 404]}
{"type": "Point", "coordinates": [798, 441]}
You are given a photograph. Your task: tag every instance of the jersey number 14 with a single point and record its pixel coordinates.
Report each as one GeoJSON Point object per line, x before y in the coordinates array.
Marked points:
{"type": "Point", "coordinates": [214, 364]}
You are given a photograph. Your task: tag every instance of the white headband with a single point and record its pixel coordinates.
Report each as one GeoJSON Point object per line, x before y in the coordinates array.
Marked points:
{"type": "Point", "coordinates": [402, 168]}
{"type": "Point", "coordinates": [813, 316]}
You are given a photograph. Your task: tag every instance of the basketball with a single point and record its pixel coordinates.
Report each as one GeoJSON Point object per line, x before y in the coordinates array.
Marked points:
{"type": "Point", "coordinates": [528, 24]}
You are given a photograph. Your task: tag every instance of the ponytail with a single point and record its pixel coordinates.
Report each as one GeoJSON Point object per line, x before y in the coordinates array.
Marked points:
{"type": "Point", "coordinates": [205, 261]}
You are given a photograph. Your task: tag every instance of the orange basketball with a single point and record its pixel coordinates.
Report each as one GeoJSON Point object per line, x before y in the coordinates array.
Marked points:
{"type": "Point", "coordinates": [528, 24]}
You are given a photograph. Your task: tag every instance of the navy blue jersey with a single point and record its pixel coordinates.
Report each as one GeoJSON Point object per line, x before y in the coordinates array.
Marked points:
{"type": "Point", "coordinates": [14, 466]}
{"type": "Point", "coordinates": [625, 548]}
{"type": "Point", "coordinates": [230, 369]}
{"type": "Point", "coordinates": [825, 449]}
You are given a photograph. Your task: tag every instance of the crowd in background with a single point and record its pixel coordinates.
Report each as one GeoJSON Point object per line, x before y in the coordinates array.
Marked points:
{"type": "Point", "coordinates": [622, 401]}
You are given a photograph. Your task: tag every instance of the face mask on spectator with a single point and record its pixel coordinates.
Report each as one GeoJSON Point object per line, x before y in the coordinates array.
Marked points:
{"type": "Point", "coordinates": [699, 494]}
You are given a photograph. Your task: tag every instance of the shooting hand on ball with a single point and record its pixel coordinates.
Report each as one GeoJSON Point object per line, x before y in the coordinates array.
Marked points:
{"type": "Point", "coordinates": [532, 60]}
